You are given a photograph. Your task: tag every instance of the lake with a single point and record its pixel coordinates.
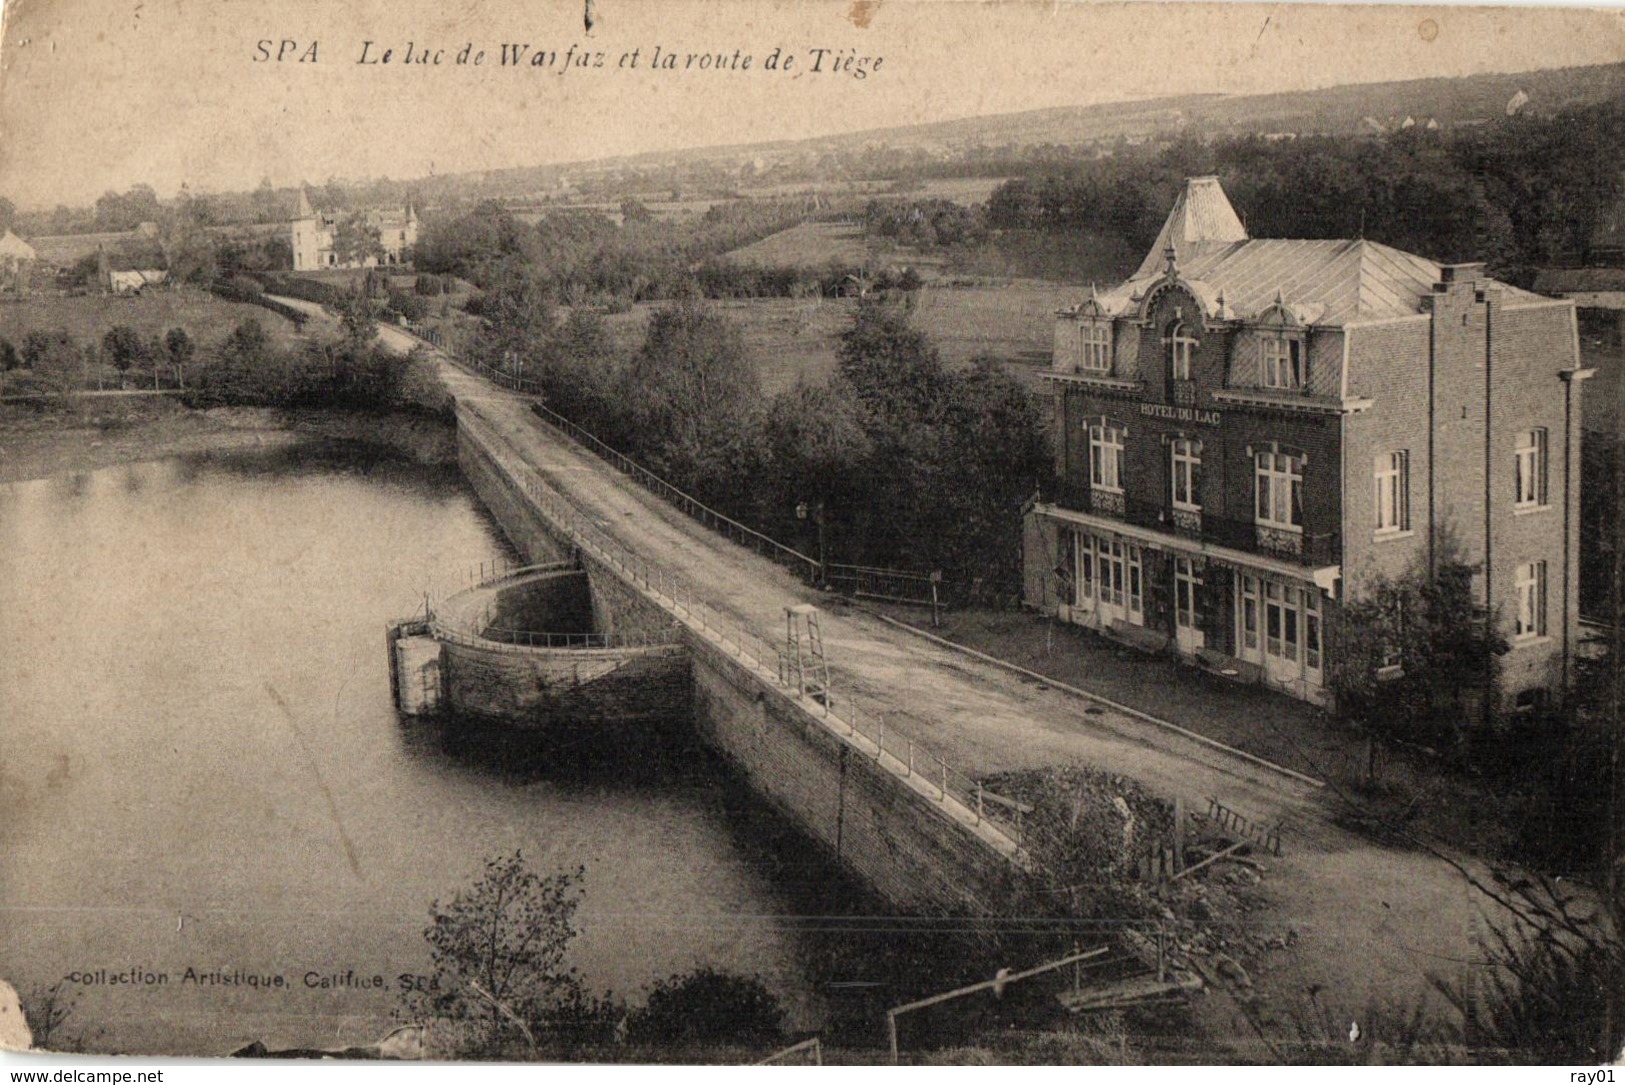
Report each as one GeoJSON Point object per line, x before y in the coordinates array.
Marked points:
{"type": "Point", "coordinates": [201, 768]}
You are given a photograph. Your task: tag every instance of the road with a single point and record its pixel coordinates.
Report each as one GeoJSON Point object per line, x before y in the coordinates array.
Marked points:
{"type": "Point", "coordinates": [1367, 922]}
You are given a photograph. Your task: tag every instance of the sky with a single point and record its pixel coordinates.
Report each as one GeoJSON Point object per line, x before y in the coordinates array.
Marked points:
{"type": "Point", "coordinates": [102, 94]}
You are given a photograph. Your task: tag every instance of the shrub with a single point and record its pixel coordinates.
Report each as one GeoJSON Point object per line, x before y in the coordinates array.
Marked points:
{"type": "Point", "coordinates": [706, 1006]}
{"type": "Point", "coordinates": [411, 306]}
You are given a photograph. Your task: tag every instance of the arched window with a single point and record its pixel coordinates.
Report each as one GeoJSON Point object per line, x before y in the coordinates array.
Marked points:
{"type": "Point", "coordinates": [1181, 348]}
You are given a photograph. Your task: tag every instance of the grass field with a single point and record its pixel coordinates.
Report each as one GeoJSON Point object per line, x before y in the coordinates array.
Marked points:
{"type": "Point", "coordinates": [810, 244]}
{"type": "Point", "coordinates": [794, 340]}
{"type": "Point", "coordinates": [961, 190]}
{"type": "Point", "coordinates": [966, 191]}
{"type": "Point", "coordinates": [206, 318]}
{"type": "Point", "coordinates": [1016, 254]}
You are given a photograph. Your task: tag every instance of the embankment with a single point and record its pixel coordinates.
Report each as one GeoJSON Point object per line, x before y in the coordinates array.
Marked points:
{"type": "Point", "coordinates": [38, 441]}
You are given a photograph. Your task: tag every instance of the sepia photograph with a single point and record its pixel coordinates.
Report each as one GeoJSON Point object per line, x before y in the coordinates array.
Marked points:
{"type": "Point", "coordinates": [847, 532]}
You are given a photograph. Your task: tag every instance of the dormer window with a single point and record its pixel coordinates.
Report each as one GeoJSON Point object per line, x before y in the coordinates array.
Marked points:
{"type": "Point", "coordinates": [1182, 343]}
{"type": "Point", "coordinates": [1281, 362]}
{"type": "Point", "coordinates": [1095, 346]}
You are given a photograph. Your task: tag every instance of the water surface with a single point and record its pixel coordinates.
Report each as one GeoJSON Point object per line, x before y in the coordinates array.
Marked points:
{"type": "Point", "coordinates": [200, 765]}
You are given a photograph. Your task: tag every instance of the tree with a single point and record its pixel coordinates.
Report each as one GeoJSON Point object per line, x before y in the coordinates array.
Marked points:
{"type": "Point", "coordinates": [820, 454]}
{"type": "Point", "coordinates": [358, 319]}
{"type": "Point", "coordinates": [498, 956]}
{"type": "Point", "coordinates": [581, 376]}
{"type": "Point", "coordinates": [1416, 656]}
{"type": "Point", "coordinates": [816, 436]}
{"type": "Point", "coordinates": [35, 344]}
{"type": "Point", "coordinates": [635, 211]}
{"type": "Point", "coordinates": [266, 205]}
{"type": "Point", "coordinates": [56, 359]}
{"type": "Point", "coordinates": [179, 349]}
{"type": "Point", "coordinates": [123, 347]}
{"type": "Point", "coordinates": [891, 365]}
{"type": "Point", "coordinates": [694, 396]}
{"type": "Point", "coordinates": [355, 240]}
{"type": "Point", "coordinates": [126, 211]}
{"type": "Point", "coordinates": [187, 243]}
{"type": "Point", "coordinates": [994, 453]}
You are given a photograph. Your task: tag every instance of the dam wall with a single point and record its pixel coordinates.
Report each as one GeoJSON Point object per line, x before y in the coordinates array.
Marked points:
{"type": "Point", "coordinates": [900, 830]}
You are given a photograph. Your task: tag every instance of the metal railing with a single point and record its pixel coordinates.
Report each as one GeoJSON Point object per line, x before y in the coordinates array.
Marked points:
{"type": "Point", "coordinates": [1250, 536]}
{"type": "Point", "coordinates": [480, 629]}
{"type": "Point", "coordinates": [729, 528]}
{"type": "Point", "coordinates": [809, 1051]}
{"type": "Point", "coordinates": [525, 386]}
{"type": "Point", "coordinates": [809, 568]}
{"type": "Point", "coordinates": [957, 792]}
{"type": "Point", "coordinates": [886, 585]}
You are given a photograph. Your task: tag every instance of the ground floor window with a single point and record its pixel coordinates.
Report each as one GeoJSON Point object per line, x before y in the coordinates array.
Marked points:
{"type": "Point", "coordinates": [1187, 586]}
{"type": "Point", "coordinates": [1249, 613]}
{"type": "Point", "coordinates": [1109, 573]}
{"type": "Point", "coordinates": [1280, 626]}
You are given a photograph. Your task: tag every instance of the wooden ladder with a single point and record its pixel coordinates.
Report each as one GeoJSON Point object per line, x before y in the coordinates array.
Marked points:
{"type": "Point", "coordinates": [804, 653]}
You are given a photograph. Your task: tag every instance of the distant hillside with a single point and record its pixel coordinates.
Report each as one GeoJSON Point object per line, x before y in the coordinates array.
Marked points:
{"type": "Point", "coordinates": [1342, 110]}
{"type": "Point", "coordinates": [1334, 110]}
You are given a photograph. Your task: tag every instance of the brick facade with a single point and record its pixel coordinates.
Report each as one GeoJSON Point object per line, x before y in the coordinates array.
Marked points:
{"type": "Point", "coordinates": [1385, 399]}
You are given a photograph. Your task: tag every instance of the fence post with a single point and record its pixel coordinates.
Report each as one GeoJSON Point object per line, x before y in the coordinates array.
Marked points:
{"type": "Point", "coordinates": [1179, 834]}
{"type": "Point", "coordinates": [944, 763]}
{"type": "Point", "coordinates": [911, 757]}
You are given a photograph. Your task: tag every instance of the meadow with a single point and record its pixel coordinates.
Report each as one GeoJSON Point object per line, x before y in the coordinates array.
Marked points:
{"type": "Point", "coordinates": [88, 317]}
{"type": "Point", "coordinates": [794, 340]}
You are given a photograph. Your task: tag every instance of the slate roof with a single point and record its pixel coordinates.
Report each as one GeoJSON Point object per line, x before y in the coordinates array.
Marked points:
{"type": "Point", "coordinates": [1327, 282]}
{"type": "Point", "coordinates": [1201, 214]}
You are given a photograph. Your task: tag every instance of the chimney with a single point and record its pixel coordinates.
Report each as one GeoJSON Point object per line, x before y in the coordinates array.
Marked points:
{"type": "Point", "coordinates": [1453, 277]}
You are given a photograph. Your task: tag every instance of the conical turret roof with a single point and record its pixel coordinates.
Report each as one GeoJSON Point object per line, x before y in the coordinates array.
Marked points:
{"type": "Point", "coordinates": [1201, 213]}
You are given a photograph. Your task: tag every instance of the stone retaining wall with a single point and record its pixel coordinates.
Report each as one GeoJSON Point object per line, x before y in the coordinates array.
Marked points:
{"type": "Point", "coordinates": [899, 841]}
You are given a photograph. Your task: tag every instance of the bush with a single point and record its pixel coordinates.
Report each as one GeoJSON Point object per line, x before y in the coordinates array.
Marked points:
{"type": "Point", "coordinates": [411, 306]}
{"type": "Point", "coordinates": [706, 1006]}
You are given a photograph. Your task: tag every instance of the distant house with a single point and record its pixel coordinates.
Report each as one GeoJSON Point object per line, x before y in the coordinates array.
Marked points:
{"type": "Point", "coordinates": [314, 237]}
{"type": "Point", "coordinates": [132, 263]}
{"type": "Point", "coordinates": [126, 261]}
{"type": "Point", "coordinates": [17, 260]}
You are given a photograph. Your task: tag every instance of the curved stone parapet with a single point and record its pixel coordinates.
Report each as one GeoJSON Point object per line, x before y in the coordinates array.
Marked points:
{"type": "Point", "coordinates": [524, 650]}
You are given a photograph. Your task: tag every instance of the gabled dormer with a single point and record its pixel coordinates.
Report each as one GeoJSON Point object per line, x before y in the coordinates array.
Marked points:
{"type": "Point", "coordinates": [1089, 341]}
{"type": "Point", "coordinates": [1272, 352]}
